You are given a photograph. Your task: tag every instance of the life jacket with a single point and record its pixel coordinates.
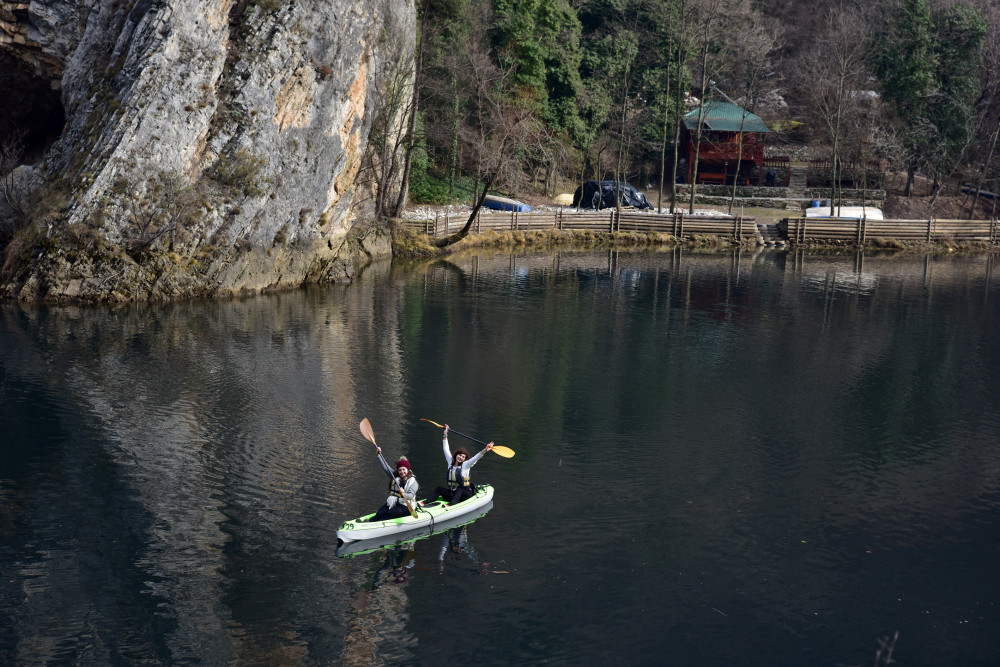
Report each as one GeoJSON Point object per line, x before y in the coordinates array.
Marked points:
{"type": "Point", "coordinates": [456, 479]}
{"type": "Point", "coordinates": [399, 490]}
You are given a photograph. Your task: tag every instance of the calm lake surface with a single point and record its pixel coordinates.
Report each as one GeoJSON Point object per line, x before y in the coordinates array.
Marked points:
{"type": "Point", "coordinates": [722, 459]}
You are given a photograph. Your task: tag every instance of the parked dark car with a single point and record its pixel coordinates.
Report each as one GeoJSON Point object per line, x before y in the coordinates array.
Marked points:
{"type": "Point", "coordinates": [602, 194]}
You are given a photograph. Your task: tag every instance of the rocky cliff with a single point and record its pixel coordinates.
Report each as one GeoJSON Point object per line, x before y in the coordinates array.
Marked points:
{"type": "Point", "coordinates": [173, 148]}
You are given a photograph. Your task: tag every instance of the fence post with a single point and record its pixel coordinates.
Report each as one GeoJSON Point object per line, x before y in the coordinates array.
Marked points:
{"type": "Point", "coordinates": [680, 231]}
{"type": "Point", "coordinates": [436, 215]}
{"type": "Point", "coordinates": [930, 226]}
{"type": "Point", "coordinates": [479, 216]}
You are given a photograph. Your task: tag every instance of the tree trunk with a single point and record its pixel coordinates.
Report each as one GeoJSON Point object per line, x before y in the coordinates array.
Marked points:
{"type": "Point", "coordinates": [739, 158]}
{"type": "Point", "coordinates": [701, 118]}
{"type": "Point", "coordinates": [663, 143]}
{"type": "Point", "coordinates": [982, 174]}
{"type": "Point", "coordinates": [678, 119]}
{"type": "Point", "coordinates": [453, 158]}
{"type": "Point", "coordinates": [411, 123]}
{"type": "Point", "coordinates": [464, 231]}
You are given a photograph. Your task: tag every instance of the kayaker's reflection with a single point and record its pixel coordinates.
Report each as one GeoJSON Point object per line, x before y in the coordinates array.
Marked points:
{"type": "Point", "coordinates": [402, 490]}
{"type": "Point", "coordinates": [398, 561]}
{"type": "Point", "coordinates": [454, 545]}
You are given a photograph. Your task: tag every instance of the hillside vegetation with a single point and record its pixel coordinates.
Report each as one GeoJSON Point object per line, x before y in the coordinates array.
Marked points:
{"type": "Point", "coordinates": [530, 97]}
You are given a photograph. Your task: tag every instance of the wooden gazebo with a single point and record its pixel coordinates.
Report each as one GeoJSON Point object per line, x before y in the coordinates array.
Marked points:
{"type": "Point", "coordinates": [721, 149]}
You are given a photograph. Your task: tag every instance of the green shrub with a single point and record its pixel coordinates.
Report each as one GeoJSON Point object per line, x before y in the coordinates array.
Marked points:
{"type": "Point", "coordinates": [241, 171]}
{"type": "Point", "coordinates": [427, 188]}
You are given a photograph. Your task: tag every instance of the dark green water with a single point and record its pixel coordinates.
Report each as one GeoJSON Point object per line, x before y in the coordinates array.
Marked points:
{"type": "Point", "coordinates": [772, 459]}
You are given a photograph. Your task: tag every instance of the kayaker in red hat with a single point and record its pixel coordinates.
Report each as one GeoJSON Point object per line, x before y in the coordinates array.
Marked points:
{"type": "Point", "coordinates": [459, 486]}
{"type": "Point", "coordinates": [404, 479]}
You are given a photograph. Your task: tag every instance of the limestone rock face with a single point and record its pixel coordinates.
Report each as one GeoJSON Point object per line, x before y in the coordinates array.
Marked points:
{"type": "Point", "coordinates": [191, 148]}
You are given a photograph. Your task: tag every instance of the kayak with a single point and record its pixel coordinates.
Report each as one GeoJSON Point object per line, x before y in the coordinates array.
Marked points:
{"type": "Point", "coordinates": [429, 513]}
{"type": "Point", "coordinates": [408, 537]}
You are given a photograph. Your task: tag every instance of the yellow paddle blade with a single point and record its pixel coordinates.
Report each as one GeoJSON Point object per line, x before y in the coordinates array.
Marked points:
{"type": "Point", "coordinates": [431, 422]}
{"type": "Point", "coordinates": [505, 452]}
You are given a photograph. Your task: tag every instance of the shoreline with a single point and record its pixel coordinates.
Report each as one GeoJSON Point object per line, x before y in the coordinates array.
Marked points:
{"type": "Point", "coordinates": [407, 243]}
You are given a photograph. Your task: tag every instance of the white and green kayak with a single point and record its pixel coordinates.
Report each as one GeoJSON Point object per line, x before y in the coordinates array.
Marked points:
{"type": "Point", "coordinates": [407, 538]}
{"type": "Point", "coordinates": [429, 515]}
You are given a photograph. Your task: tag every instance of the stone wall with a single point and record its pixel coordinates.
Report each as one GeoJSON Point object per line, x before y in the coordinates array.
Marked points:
{"type": "Point", "coordinates": [719, 195]}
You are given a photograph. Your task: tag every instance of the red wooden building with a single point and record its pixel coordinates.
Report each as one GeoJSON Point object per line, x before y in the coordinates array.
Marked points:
{"type": "Point", "coordinates": [721, 157]}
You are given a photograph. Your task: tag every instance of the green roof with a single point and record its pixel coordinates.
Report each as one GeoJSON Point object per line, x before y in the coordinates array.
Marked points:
{"type": "Point", "coordinates": [725, 117]}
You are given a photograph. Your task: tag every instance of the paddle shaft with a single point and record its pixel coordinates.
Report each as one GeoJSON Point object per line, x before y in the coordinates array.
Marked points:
{"type": "Point", "coordinates": [500, 450]}
{"type": "Point", "coordinates": [451, 430]}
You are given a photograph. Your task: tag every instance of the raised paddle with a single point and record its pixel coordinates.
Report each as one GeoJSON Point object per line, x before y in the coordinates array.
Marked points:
{"type": "Point", "coordinates": [366, 430]}
{"type": "Point", "coordinates": [505, 452]}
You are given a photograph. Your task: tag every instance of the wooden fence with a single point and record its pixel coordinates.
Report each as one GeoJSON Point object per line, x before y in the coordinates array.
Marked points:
{"type": "Point", "coordinates": [609, 220]}
{"type": "Point", "coordinates": [800, 230]}
{"type": "Point", "coordinates": [796, 230]}
{"type": "Point", "coordinates": [819, 174]}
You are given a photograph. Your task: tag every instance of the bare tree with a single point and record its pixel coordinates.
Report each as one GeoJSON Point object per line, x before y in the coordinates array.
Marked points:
{"type": "Point", "coordinates": [411, 122]}
{"type": "Point", "coordinates": [385, 162]}
{"type": "Point", "coordinates": [501, 134]}
{"type": "Point", "coordinates": [834, 71]}
{"type": "Point", "coordinates": [758, 40]}
{"type": "Point", "coordinates": [13, 189]}
{"type": "Point", "coordinates": [684, 47]}
{"type": "Point", "coordinates": [990, 92]}
{"type": "Point", "coordinates": [716, 34]}
{"type": "Point", "coordinates": [162, 204]}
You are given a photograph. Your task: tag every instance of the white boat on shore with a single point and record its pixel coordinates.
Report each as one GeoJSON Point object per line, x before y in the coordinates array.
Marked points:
{"type": "Point", "coordinates": [845, 212]}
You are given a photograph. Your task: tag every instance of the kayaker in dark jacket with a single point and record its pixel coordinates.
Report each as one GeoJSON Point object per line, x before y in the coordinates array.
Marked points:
{"type": "Point", "coordinates": [459, 486]}
{"type": "Point", "coordinates": [405, 479]}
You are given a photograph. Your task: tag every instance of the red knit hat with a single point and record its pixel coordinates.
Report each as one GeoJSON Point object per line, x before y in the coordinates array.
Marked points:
{"type": "Point", "coordinates": [403, 463]}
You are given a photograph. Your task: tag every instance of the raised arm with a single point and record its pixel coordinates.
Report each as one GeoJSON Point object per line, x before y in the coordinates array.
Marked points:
{"type": "Point", "coordinates": [385, 466]}
{"type": "Point", "coordinates": [471, 462]}
{"type": "Point", "coordinates": [447, 449]}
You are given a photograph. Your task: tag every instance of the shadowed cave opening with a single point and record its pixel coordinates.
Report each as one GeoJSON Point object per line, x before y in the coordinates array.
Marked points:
{"type": "Point", "coordinates": [31, 114]}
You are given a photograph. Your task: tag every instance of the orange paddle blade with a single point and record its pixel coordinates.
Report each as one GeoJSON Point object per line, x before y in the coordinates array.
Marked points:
{"type": "Point", "coordinates": [366, 430]}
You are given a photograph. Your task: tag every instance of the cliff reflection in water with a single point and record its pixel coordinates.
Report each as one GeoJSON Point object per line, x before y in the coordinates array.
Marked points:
{"type": "Point", "coordinates": [173, 476]}
{"type": "Point", "coordinates": [186, 454]}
